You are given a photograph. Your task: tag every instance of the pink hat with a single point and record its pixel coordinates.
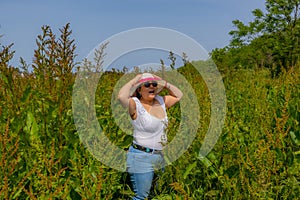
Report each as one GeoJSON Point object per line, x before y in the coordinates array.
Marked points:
{"type": "Point", "coordinates": [147, 77]}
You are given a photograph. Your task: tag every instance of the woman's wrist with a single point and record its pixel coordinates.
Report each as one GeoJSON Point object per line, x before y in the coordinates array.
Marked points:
{"type": "Point", "coordinates": [135, 79]}
{"type": "Point", "coordinates": [167, 85]}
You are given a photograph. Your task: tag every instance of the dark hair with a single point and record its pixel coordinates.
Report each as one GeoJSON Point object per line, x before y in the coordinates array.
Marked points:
{"type": "Point", "coordinates": [138, 94]}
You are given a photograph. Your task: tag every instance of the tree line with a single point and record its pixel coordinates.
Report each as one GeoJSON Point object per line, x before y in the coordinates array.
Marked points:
{"type": "Point", "coordinates": [270, 41]}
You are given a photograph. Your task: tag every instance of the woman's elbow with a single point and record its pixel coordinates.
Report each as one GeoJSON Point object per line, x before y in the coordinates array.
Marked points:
{"type": "Point", "coordinates": [123, 100]}
{"type": "Point", "coordinates": [179, 96]}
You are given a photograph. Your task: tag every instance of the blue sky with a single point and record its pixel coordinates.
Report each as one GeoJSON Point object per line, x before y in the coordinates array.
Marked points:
{"type": "Point", "coordinates": [206, 21]}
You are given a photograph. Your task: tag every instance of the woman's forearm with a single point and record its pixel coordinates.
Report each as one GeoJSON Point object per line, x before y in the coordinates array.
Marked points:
{"type": "Point", "coordinates": [173, 91]}
{"type": "Point", "coordinates": [124, 93]}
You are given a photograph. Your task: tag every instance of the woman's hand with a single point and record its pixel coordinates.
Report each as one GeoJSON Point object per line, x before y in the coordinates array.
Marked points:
{"type": "Point", "coordinates": [135, 79]}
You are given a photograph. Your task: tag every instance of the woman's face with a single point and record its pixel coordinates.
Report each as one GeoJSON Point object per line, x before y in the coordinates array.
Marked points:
{"type": "Point", "coordinates": [147, 90]}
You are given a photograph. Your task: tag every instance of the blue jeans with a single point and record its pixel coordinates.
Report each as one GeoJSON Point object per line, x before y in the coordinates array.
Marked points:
{"type": "Point", "coordinates": [141, 166]}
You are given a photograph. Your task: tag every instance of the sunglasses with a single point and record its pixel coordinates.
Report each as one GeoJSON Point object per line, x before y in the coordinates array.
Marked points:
{"type": "Point", "coordinates": [148, 84]}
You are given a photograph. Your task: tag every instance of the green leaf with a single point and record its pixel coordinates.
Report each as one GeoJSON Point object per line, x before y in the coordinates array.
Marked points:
{"type": "Point", "coordinates": [17, 193]}
{"type": "Point", "coordinates": [31, 124]}
{"type": "Point", "coordinates": [26, 94]}
{"type": "Point", "coordinates": [3, 77]}
{"type": "Point", "coordinates": [189, 169]}
{"type": "Point", "coordinates": [127, 140]}
{"type": "Point", "coordinates": [294, 138]}
{"type": "Point", "coordinates": [207, 163]}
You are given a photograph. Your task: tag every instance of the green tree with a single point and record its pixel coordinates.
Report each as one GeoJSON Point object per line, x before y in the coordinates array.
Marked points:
{"type": "Point", "coordinates": [271, 40]}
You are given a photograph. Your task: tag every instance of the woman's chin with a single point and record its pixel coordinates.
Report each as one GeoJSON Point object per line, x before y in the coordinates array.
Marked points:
{"type": "Point", "coordinates": [152, 95]}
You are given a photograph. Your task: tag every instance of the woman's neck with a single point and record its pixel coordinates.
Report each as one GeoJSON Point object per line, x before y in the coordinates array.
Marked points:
{"type": "Point", "coordinates": [147, 101]}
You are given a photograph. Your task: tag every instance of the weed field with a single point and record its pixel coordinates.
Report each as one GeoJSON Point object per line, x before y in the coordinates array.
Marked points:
{"type": "Point", "coordinates": [257, 155]}
{"type": "Point", "coordinates": [42, 156]}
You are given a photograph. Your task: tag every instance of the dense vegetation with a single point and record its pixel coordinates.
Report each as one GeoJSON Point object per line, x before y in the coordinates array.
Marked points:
{"type": "Point", "coordinates": [42, 156]}
{"type": "Point", "coordinates": [270, 41]}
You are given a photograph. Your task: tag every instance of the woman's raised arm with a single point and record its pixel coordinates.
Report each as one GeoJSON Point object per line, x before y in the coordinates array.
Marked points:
{"type": "Point", "coordinates": [124, 93]}
{"type": "Point", "coordinates": [174, 95]}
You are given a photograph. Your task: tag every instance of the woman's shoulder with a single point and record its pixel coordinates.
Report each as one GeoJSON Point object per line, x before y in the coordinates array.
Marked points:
{"type": "Point", "coordinates": [160, 99]}
{"type": "Point", "coordinates": [135, 99]}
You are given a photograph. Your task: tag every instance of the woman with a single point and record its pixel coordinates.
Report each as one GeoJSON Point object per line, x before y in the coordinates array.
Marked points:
{"type": "Point", "coordinates": [147, 110]}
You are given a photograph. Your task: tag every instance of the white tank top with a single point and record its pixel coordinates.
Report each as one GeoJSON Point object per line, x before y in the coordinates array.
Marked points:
{"type": "Point", "coordinates": [149, 131]}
